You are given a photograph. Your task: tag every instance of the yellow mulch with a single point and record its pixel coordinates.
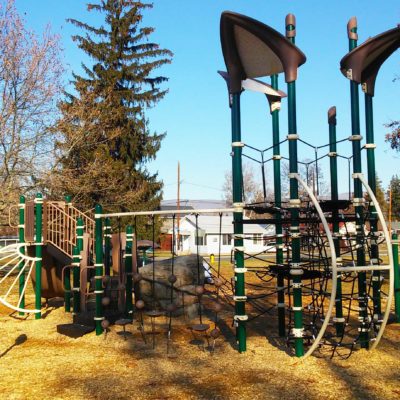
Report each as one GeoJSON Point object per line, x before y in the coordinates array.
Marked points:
{"type": "Point", "coordinates": [38, 363]}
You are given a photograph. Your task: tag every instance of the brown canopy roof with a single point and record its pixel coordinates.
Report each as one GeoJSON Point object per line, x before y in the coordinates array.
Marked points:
{"type": "Point", "coordinates": [365, 60]}
{"type": "Point", "coordinates": [252, 49]}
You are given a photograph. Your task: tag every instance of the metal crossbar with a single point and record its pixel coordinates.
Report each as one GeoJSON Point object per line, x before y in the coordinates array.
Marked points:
{"type": "Point", "coordinates": [167, 212]}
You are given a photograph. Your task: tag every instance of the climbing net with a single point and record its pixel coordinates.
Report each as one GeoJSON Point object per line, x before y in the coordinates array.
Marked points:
{"type": "Point", "coordinates": [358, 293]}
{"type": "Point", "coordinates": [180, 282]}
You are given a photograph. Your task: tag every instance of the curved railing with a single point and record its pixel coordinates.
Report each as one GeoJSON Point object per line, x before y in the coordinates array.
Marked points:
{"type": "Point", "coordinates": [334, 264]}
{"type": "Point", "coordinates": [15, 264]}
{"type": "Point", "coordinates": [380, 267]}
{"type": "Point", "coordinates": [61, 225]}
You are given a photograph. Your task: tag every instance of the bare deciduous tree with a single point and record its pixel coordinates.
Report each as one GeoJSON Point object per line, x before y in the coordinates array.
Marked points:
{"type": "Point", "coordinates": [307, 171]}
{"type": "Point", "coordinates": [393, 138]}
{"type": "Point", "coordinates": [252, 186]}
{"type": "Point", "coordinates": [31, 72]}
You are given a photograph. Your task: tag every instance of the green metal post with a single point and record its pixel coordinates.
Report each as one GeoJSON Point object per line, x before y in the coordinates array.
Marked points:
{"type": "Point", "coordinates": [38, 253]}
{"type": "Point", "coordinates": [77, 264]}
{"type": "Point", "coordinates": [237, 185]}
{"type": "Point", "coordinates": [99, 314]}
{"type": "Point", "coordinates": [67, 271]}
{"type": "Point", "coordinates": [107, 246]}
{"type": "Point", "coordinates": [278, 202]}
{"type": "Point", "coordinates": [358, 197]}
{"type": "Point", "coordinates": [373, 216]}
{"type": "Point", "coordinates": [75, 280]}
{"type": "Point", "coordinates": [296, 271]}
{"type": "Point", "coordinates": [21, 237]}
{"type": "Point", "coordinates": [395, 247]}
{"type": "Point", "coordinates": [128, 272]}
{"type": "Point", "coordinates": [339, 320]}
{"type": "Point", "coordinates": [80, 228]}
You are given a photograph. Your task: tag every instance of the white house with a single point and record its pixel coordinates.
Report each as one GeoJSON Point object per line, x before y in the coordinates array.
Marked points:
{"type": "Point", "coordinates": [212, 232]}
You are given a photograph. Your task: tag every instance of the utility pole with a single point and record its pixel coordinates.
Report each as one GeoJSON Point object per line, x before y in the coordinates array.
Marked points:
{"type": "Point", "coordinates": [390, 209]}
{"type": "Point", "coordinates": [178, 206]}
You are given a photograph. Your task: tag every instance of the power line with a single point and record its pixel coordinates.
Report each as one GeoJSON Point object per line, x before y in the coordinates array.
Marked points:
{"type": "Point", "coordinates": [202, 186]}
{"type": "Point", "coordinates": [183, 182]}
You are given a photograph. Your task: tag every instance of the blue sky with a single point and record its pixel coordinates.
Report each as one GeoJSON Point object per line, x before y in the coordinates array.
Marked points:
{"type": "Point", "coordinates": [195, 113]}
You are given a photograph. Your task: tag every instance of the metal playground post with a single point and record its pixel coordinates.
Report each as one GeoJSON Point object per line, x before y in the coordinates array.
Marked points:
{"type": "Point", "coordinates": [295, 268]}
{"type": "Point", "coordinates": [339, 319]}
{"type": "Point", "coordinates": [99, 315]}
{"type": "Point", "coordinates": [21, 237]}
{"type": "Point", "coordinates": [38, 253]}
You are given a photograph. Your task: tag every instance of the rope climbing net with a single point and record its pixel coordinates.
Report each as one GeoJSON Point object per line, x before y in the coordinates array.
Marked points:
{"type": "Point", "coordinates": [347, 313]}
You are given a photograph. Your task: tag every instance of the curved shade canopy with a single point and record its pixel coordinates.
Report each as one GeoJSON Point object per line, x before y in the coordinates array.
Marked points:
{"type": "Point", "coordinates": [363, 63]}
{"type": "Point", "coordinates": [252, 49]}
{"type": "Point", "coordinates": [254, 85]}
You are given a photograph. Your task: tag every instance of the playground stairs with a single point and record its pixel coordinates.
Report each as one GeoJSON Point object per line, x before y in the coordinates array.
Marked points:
{"type": "Point", "coordinates": [59, 238]}
{"type": "Point", "coordinates": [59, 225]}
{"type": "Point", "coordinates": [60, 221]}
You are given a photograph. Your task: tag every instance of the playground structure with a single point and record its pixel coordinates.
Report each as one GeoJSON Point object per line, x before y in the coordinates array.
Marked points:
{"type": "Point", "coordinates": [328, 287]}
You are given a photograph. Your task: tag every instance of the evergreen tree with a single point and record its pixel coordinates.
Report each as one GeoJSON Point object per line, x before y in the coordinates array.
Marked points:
{"type": "Point", "coordinates": [105, 143]}
{"type": "Point", "coordinates": [380, 195]}
{"type": "Point", "coordinates": [395, 188]}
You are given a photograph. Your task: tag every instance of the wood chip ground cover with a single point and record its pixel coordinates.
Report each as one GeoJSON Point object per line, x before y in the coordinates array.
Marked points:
{"type": "Point", "coordinates": [38, 363]}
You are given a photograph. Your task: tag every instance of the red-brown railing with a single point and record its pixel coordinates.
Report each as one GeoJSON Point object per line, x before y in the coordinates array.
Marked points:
{"type": "Point", "coordinates": [60, 221]}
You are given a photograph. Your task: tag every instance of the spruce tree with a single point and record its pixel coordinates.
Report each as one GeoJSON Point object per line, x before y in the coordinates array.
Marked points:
{"type": "Point", "coordinates": [105, 142]}
{"type": "Point", "coordinates": [380, 195]}
{"type": "Point", "coordinates": [395, 188]}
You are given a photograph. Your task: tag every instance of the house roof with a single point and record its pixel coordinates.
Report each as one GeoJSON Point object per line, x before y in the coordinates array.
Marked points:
{"type": "Point", "coordinates": [210, 224]}
{"type": "Point", "coordinates": [175, 207]}
{"type": "Point", "coordinates": [188, 204]}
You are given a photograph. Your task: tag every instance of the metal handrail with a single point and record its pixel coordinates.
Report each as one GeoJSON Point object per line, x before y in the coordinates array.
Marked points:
{"type": "Point", "coordinates": [9, 216]}
{"type": "Point", "coordinates": [62, 224]}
